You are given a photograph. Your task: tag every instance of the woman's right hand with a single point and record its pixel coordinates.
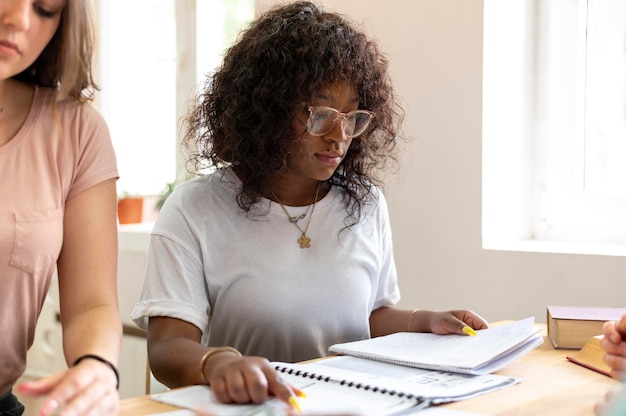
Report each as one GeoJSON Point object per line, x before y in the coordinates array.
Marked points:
{"type": "Point", "coordinates": [233, 378]}
{"type": "Point", "coordinates": [245, 379]}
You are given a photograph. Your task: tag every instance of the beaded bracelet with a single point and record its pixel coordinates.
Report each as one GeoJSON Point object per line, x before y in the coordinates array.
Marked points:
{"type": "Point", "coordinates": [103, 361]}
{"type": "Point", "coordinates": [411, 318]}
{"type": "Point", "coordinates": [209, 353]}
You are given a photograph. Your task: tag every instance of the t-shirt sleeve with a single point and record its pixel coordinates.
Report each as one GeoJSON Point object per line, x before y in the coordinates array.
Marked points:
{"type": "Point", "coordinates": [96, 160]}
{"type": "Point", "coordinates": [388, 291]}
{"type": "Point", "coordinates": [174, 284]}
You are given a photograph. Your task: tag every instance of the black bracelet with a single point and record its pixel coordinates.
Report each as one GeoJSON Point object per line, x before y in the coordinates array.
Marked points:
{"type": "Point", "coordinates": [103, 361]}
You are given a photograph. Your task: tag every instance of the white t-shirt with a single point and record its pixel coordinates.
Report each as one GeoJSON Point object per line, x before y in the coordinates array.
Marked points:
{"type": "Point", "coordinates": [245, 282]}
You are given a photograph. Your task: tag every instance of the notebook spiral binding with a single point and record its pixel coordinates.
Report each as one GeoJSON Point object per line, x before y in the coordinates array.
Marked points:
{"type": "Point", "coordinates": [367, 387]}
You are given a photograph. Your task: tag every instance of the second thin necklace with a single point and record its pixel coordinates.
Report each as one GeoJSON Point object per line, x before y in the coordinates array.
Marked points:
{"type": "Point", "coordinates": [304, 240]}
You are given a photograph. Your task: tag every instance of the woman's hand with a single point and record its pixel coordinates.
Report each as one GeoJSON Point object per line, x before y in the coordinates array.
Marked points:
{"type": "Point", "coordinates": [609, 401]}
{"type": "Point", "coordinates": [387, 320]}
{"type": "Point", "coordinates": [614, 343]}
{"type": "Point", "coordinates": [89, 388]}
{"type": "Point", "coordinates": [454, 322]}
{"type": "Point", "coordinates": [242, 379]}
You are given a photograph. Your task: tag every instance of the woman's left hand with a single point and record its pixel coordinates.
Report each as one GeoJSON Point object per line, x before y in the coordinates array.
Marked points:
{"type": "Point", "coordinates": [614, 344]}
{"type": "Point", "coordinates": [89, 388]}
{"type": "Point", "coordinates": [453, 322]}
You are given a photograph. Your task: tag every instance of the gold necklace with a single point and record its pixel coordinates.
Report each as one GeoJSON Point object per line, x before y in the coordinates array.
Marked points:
{"type": "Point", "coordinates": [297, 218]}
{"type": "Point", "coordinates": [304, 240]}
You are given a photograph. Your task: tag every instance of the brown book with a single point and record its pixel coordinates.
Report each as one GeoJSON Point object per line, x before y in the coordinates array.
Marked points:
{"type": "Point", "coordinates": [591, 356]}
{"type": "Point", "coordinates": [570, 327]}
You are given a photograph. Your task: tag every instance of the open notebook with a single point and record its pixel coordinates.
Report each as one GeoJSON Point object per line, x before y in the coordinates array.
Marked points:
{"type": "Point", "coordinates": [352, 385]}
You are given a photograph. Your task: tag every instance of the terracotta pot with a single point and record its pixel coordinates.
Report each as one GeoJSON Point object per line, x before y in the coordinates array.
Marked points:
{"type": "Point", "coordinates": [129, 210]}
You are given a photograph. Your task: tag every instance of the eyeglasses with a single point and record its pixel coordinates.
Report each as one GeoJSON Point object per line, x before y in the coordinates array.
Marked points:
{"type": "Point", "coordinates": [323, 119]}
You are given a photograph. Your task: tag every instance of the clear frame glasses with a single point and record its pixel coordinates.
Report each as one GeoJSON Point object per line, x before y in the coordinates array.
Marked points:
{"type": "Point", "coordinates": [323, 119]}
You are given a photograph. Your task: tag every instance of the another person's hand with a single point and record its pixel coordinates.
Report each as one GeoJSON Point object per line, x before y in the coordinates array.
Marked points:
{"type": "Point", "coordinates": [87, 388]}
{"type": "Point", "coordinates": [246, 379]}
{"type": "Point", "coordinates": [614, 343]}
{"type": "Point", "coordinates": [601, 406]}
{"type": "Point", "coordinates": [454, 322]}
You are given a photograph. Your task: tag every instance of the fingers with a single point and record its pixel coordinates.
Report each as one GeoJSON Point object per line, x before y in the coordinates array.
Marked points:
{"type": "Point", "coordinates": [601, 406]}
{"type": "Point", "coordinates": [284, 391]}
{"type": "Point", "coordinates": [243, 380]}
{"type": "Point", "coordinates": [620, 327]}
{"type": "Point", "coordinates": [94, 399]}
{"type": "Point", "coordinates": [251, 379]}
{"type": "Point", "coordinates": [617, 364]}
{"type": "Point", "coordinates": [468, 322]}
{"type": "Point", "coordinates": [609, 346]}
{"type": "Point", "coordinates": [87, 389]}
{"type": "Point", "coordinates": [474, 320]}
{"type": "Point", "coordinates": [611, 333]}
{"type": "Point", "coordinates": [612, 342]}
{"type": "Point", "coordinates": [606, 403]}
{"type": "Point", "coordinates": [41, 386]}
{"type": "Point", "coordinates": [619, 375]}
{"type": "Point", "coordinates": [459, 322]}
{"type": "Point", "coordinates": [615, 331]}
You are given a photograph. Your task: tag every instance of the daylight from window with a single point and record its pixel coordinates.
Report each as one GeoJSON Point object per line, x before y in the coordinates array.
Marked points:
{"type": "Point", "coordinates": [554, 126]}
{"type": "Point", "coordinates": [605, 110]}
{"type": "Point", "coordinates": [142, 63]}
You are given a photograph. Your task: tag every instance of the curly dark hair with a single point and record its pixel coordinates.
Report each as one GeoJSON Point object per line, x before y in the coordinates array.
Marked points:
{"type": "Point", "coordinates": [244, 115]}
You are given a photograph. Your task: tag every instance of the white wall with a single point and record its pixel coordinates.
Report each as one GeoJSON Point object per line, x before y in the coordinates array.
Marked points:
{"type": "Point", "coordinates": [435, 48]}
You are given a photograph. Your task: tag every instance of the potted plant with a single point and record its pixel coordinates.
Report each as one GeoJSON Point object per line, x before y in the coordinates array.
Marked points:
{"type": "Point", "coordinates": [129, 209]}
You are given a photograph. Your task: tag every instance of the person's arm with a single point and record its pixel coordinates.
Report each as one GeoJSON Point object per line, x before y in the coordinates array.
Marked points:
{"type": "Point", "coordinates": [175, 351]}
{"type": "Point", "coordinates": [87, 270]}
{"type": "Point", "coordinates": [87, 273]}
{"type": "Point", "coordinates": [388, 320]}
{"type": "Point", "coordinates": [177, 358]}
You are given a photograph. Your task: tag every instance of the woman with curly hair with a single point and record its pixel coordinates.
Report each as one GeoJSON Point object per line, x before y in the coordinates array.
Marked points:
{"type": "Point", "coordinates": [284, 248]}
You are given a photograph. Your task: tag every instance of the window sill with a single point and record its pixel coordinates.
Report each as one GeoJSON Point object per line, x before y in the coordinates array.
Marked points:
{"type": "Point", "coordinates": [557, 247]}
{"type": "Point", "coordinates": [134, 238]}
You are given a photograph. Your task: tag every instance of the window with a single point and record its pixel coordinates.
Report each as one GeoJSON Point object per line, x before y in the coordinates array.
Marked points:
{"type": "Point", "coordinates": [554, 126]}
{"type": "Point", "coordinates": [153, 56]}
{"type": "Point", "coordinates": [605, 98]}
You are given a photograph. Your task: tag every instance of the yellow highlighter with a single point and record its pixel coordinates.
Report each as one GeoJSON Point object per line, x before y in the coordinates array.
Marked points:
{"type": "Point", "coordinates": [469, 331]}
{"type": "Point", "coordinates": [294, 403]}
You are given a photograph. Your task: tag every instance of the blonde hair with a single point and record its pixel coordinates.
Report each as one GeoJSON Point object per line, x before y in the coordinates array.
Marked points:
{"type": "Point", "coordinates": [66, 62]}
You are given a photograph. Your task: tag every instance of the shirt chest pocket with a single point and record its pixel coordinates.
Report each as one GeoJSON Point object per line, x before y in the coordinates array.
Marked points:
{"type": "Point", "coordinates": [38, 240]}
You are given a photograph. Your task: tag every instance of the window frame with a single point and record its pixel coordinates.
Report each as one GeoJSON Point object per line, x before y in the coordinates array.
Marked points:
{"type": "Point", "coordinates": [528, 204]}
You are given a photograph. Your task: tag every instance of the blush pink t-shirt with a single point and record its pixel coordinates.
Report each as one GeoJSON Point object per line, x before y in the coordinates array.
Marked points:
{"type": "Point", "coordinates": [62, 149]}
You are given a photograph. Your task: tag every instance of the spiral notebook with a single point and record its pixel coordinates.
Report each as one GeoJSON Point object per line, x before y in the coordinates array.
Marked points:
{"type": "Point", "coordinates": [353, 386]}
{"type": "Point", "coordinates": [322, 398]}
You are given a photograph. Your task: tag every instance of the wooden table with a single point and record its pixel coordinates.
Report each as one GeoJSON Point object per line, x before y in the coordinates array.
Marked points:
{"type": "Point", "coordinates": [551, 386]}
